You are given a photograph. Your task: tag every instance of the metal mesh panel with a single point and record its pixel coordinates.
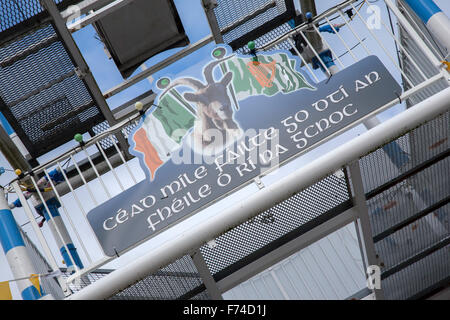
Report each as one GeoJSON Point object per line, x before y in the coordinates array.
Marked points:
{"type": "Point", "coordinates": [409, 208]}
{"type": "Point", "coordinates": [420, 145]}
{"type": "Point", "coordinates": [417, 55]}
{"type": "Point", "coordinates": [174, 281]}
{"type": "Point", "coordinates": [14, 12]}
{"type": "Point", "coordinates": [178, 280]}
{"type": "Point", "coordinates": [50, 285]}
{"type": "Point", "coordinates": [41, 95]}
{"type": "Point", "coordinates": [201, 296]}
{"type": "Point", "coordinates": [419, 277]}
{"type": "Point", "coordinates": [17, 13]}
{"type": "Point", "coordinates": [261, 232]}
{"type": "Point", "coordinates": [230, 12]}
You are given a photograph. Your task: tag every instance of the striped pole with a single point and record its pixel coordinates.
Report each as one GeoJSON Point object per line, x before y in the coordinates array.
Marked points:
{"type": "Point", "coordinates": [435, 20]}
{"type": "Point", "coordinates": [16, 253]}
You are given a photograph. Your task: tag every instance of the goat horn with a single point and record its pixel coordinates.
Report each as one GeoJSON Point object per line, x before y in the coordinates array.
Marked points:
{"type": "Point", "coordinates": [208, 71]}
{"type": "Point", "coordinates": [189, 82]}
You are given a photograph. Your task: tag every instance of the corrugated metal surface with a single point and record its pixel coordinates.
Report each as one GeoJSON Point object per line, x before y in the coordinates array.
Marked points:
{"type": "Point", "coordinates": [330, 268]}
{"type": "Point", "coordinates": [425, 65]}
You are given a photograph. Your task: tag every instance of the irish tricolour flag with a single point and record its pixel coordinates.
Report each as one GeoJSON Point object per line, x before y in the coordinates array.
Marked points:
{"type": "Point", "coordinates": [162, 130]}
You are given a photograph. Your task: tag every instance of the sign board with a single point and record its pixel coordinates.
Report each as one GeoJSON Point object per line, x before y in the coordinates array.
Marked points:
{"type": "Point", "coordinates": [217, 127]}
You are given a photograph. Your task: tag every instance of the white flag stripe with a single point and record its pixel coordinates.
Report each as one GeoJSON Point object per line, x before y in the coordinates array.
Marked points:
{"type": "Point", "coordinates": [158, 137]}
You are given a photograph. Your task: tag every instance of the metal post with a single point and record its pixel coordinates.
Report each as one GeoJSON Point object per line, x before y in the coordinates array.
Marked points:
{"type": "Point", "coordinates": [208, 280]}
{"type": "Point", "coordinates": [16, 252]}
{"type": "Point", "coordinates": [364, 230]}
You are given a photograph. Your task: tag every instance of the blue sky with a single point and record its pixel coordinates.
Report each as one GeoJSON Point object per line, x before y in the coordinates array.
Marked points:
{"type": "Point", "coordinates": [196, 26]}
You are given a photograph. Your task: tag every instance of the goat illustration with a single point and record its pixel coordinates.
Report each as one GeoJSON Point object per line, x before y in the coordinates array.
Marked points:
{"type": "Point", "coordinates": [215, 126]}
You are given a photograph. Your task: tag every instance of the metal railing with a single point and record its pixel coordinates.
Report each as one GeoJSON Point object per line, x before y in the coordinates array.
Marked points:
{"type": "Point", "coordinates": [99, 173]}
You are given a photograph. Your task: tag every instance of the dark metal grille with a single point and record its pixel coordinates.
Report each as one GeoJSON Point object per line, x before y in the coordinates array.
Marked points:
{"type": "Point", "coordinates": [20, 16]}
{"type": "Point", "coordinates": [401, 201]}
{"type": "Point", "coordinates": [263, 233]}
{"type": "Point", "coordinates": [178, 280]}
{"type": "Point", "coordinates": [106, 143]}
{"type": "Point", "coordinates": [409, 209]}
{"type": "Point", "coordinates": [14, 12]}
{"type": "Point", "coordinates": [230, 12]}
{"type": "Point", "coordinates": [42, 97]}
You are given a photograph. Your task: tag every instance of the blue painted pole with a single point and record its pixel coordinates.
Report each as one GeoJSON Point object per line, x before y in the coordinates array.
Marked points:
{"type": "Point", "coordinates": [66, 247]}
{"type": "Point", "coordinates": [16, 253]}
{"type": "Point", "coordinates": [435, 20]}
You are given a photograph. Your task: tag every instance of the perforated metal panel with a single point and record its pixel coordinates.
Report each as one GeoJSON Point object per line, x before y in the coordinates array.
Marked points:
{"type": "Point", "coordinates": [230, 12]}
{"type": "Point", "coordinates": [178, 280]}
{"type": "Point", "coordinates": [106, 143]}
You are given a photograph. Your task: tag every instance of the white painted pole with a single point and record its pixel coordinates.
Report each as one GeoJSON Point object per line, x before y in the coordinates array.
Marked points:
{"type": "Point", "coordinates": [266, 198]}
{"type": "Point", "coordinates": [435, 20]}
{"type": "Point", "coordinates": [16, 253]}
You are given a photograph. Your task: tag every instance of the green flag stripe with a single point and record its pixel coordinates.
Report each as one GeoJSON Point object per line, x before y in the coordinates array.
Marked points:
{"type": "Point", "coordinates": [286, 79]}
{"type": "Point", "coordinates": [173, 116]}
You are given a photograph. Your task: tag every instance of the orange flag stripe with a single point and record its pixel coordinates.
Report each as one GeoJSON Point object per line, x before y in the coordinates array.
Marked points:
{"type": "Point", "coordinates": [151, 157]}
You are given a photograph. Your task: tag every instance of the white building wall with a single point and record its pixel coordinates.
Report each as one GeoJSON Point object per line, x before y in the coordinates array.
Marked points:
{"type": "Point", "coordinates": [329, 269]}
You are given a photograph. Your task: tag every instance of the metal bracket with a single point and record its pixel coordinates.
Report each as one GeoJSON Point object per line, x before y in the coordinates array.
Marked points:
{"type": "Point", "coordinates": [81, 73]}
{"type": "Point", "coordinates": [259, 183]}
